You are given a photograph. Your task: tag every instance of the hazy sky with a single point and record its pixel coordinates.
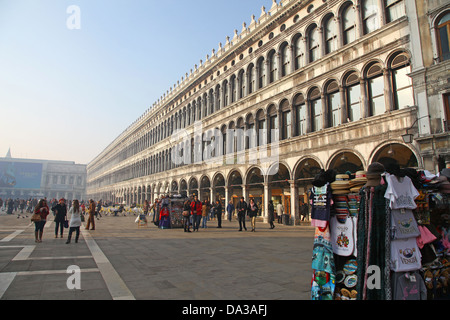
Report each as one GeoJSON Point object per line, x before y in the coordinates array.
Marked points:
{"type": "Point", "coordinates": [65, 94]}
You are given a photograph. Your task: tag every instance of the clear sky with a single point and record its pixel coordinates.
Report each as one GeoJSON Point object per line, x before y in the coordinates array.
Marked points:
{"type": "Point", "coordinates": [66, 94]}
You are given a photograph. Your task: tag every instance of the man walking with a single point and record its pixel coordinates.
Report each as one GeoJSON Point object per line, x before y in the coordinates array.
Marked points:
{"type": "Point", "coordinates": [91, 211]}
{"type": "Point", "coordinates": [196, 209]}
{"type": "Point", "coordinates": [242, 209]}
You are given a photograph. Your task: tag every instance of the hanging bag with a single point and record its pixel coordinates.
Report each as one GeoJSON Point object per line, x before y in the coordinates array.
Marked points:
{"type": "Point", "coordinates": [36, 217]}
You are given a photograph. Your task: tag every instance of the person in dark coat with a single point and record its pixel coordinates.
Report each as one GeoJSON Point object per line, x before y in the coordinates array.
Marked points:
{"type": "Point", "coordinates": [252, 213]}
{"type": "Point", "coordinates": [271, 214]}
{"type": "Point", "coordinates": [218, 213]}
{"type": "Point", "coordinates": [241, 209]}
{"type": "Point", "coordinates": [60, 211]}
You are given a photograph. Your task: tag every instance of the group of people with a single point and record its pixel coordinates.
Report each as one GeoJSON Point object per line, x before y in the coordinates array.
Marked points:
{"type": "Point", "coordinates": [13, 205]}
{"type": "Point", "coordinates": [196, 212]}
{"type": "Point", "coordinates": [76, 211]}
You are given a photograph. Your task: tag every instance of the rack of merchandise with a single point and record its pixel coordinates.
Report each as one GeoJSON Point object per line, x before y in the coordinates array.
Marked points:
{"type": "Point", "coordinates": [381, 235]}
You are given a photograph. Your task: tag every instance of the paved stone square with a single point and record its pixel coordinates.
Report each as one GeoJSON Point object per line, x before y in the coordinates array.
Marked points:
{"type": "Point", "coordinates": [120, 260]}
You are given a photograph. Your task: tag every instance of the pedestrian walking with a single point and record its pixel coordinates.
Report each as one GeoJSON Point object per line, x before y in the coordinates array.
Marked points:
{"type": "Point", "coordinates": [218, 213]}
{"type": "Point", "coordinates": [91, 213]}
{"type": "Point", "coordinates": [204, 214]}
{"type": "Point", "coordinates": [196, 211]}
{"type": "Point", "coordinates": [75, 221]}
{"type": "Point", "coordinates": [242, 209]}
{"type": "Point", "coordinates": [187, 215]}
{"type": "Point", "coordinates": [271, 214]}
{"type": "Point", "coordinates": [252, 213]}
{"type": "Point", "coordinates": [145, 207]}
{"type": "Point", "coordinates": [99, 209]}
{"type": "Point", "coordinates": [230, 210]}
{"type": "Point", "coordinates": [60, 211]}
{"type": "Point", "coordinates": [42, 210]}
{"type": "Point", "coordinates": [280, 211]}
{"type": "Point", "coordinates": [304, 211]}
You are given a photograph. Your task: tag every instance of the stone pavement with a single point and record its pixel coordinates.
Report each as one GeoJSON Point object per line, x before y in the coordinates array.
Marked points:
{"type": "Point", "coordinates": [119, 261]}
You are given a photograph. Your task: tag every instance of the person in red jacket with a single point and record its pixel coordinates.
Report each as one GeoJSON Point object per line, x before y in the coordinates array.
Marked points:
{"type": "Point", "coordinates": [196, 211]}
{"type": "Point", "coordinates": [43, 210]}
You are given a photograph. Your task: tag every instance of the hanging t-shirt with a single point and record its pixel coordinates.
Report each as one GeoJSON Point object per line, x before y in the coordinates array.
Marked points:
{"type": "Point", "coordinates": [403, 224]}
{"type": "Point", "coordinates": [401, 192]}
{"type": "Point", "coordinates": [355, 233]}
{"type": "Point", "coordinates": [342, 236]}
{"type": "Point", "coordinates": [405, 255]}
{"type": "Point", "coordinates": [409, 286]}
{"type": "Point", "coordinates": [320, 205]}
{"type": "Point", "coordinates": [322, 258]}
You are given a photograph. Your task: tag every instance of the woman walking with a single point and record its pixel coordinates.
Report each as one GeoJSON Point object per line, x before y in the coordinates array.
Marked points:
{"type": "Point", "coordinates": [42, 210]}
{"type": "Point", "coordinates": [187, 215]}
{"type": "Point", "coordinates": [271, 211]}
{"type": "Point", "coordinates": [75, 221]}
{"type": "Point", "coordinates": [252, 213]}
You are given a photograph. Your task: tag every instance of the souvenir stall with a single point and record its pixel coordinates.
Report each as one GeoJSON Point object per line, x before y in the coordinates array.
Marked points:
{"type": "Point", "coordinates": [171, 213]}
{"type": "Point", "coordinates": [382, 235]}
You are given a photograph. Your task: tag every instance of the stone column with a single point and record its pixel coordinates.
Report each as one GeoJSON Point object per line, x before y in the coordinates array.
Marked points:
{"type": "Point", "coordinates": [294, 202]}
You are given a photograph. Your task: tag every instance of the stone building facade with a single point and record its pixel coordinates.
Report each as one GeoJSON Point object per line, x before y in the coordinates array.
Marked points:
{"type": "Point", "coordinates": [308, 85]}
{"type": "Point", "coordinates": [29, 178]}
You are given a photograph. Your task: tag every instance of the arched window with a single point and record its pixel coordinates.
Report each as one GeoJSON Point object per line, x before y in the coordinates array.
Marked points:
{"type": "Point", "coordinates": [286, 120]}
{"type": "Point", "coordinates": [199, 108]}
{"type": "Point", "coordinates": [273, 66]}
{"type": "Point", "coordinates": [261, 128]}
{"type": "Point", "coordinates": [375, 86]}
{"type": "Point", "coordinates": [194, 111]}
{"type": "Point", "coordinates": [241, 82]}
{"type": "Point", "coordinates": [223, 130]}
{"type": "Point", "coordinates": [353, 95]}
{"type": "Point", "coordinates": [334, 104]}
{"type": "Point", "coordinates": [316, 109]}
{"type": "Point", "coordinates": [273, 124]}
{"type": "Point", "coordinates": [348, 24]}
{"type": "Point", "coordinates": [240, 137]}
{"type": "Point", "coordinates": [298, 52]}
{"type": "Point", "coordinates": [313, 44]}
{"type": "Point", "coordinates": [395, 9]}
{"type": "Point", "coordinates": [211, 101]}
{"type": "Point", "coordinates": [233, 88]}
{"type": "Point", "coordinates": [250, 134]}
{"type": "Point", "coordinates": [251, 78]}
{"type": "Point", "coordinates": [285, 59]}
{"type": "Point", "coordinates": [205, 105]}
{"type": "Point", "coordinates": [261, 72]}
{"type": "Point", "coordinates": [402, 83]}
{"type": "Point", "coordinates": [330, 34]}
{"type": "Point", "coordinates": [217, 98]}
{"type": "Point", "coordinates": [300, 115]}
{"type": "Point", "coordinates": [225, 93]}
{"type": "Point", "coordinates": [443, 35]}
{"type": "Point", "coordinates": [370, 11]}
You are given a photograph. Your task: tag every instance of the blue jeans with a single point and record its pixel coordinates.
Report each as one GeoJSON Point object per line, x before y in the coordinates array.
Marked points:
{"type": "Point", "coordinates": [204, 219]}
{"type": "Point", "coordinates": [196, 219]}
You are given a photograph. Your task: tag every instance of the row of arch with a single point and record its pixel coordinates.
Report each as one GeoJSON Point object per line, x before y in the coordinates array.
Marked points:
{"type": "Point", "coordinates": [353, 96]}
{"type": "Point", "coordinates": [251, 180]}
{"type": "Point", "coordinates": [351, 20]}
